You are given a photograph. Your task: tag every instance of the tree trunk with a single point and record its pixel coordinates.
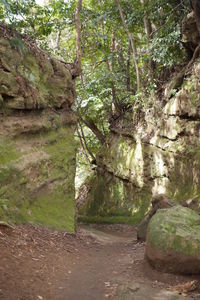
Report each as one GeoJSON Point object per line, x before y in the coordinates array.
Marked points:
{"type": "Point", "coordinates": [196, 8]}
{"type": "Point", "coordinates": [128, 78]}
{"type": "Point", "coordinates": [83, 147]}
{"type": "Point", "coordinates": [76, 71]}
{"type": "Point", "coordinates": [110, 67]}
{"type": "Point", "coordinates": [134, 51]}
{"type": "Point", "coordinates": [148, 31]}
{"type": "Point", "coordinates": [85, 143]}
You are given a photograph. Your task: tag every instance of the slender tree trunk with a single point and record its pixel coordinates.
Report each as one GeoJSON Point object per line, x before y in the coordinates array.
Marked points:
{"type": "Point", "coordinates": [110, 67]}
{"type": "Point", "coordinates": [114, 94]}
{"type": "Point", "coordinates": [76, 71]}
{"type": "Point", "coordinates": [128, 78]}
{"type": "Point", "coordinates": [125, 64]}
{"type": "Point", "coordinates": [148, 31]}
{"type": "Point", "coordinates": [196, 8]}
{"type": "Point", "coordinates": [82, 145]}
{"type": "Point", "coordinates": [134, 51]}
{"type": "Point", "coordinates": [113, 48]}
{"type": "Point", "coordinates": [85, 142]}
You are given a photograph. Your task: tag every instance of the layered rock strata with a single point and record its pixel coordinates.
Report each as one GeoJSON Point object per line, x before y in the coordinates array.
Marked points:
{"type": "Point", "coordinates": [155, 153]}
{"type": "Point", "coordinates": [37, 148]}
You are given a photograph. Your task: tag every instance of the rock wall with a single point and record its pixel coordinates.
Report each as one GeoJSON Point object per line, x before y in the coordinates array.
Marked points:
{"type": "Point", "coordinates": [158, 154]}
{"type": "Point", "coordinates": [37, 148]}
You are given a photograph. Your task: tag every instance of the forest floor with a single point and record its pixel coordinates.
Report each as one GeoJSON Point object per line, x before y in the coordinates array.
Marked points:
{"type": "Point", "coordinates": [100, 262]}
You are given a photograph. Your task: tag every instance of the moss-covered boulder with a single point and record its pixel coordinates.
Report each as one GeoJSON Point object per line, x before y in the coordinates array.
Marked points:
{"type": "Point", "coordinates": [37, 147]}
{"type": "Point", "coordinates": [173, 240]}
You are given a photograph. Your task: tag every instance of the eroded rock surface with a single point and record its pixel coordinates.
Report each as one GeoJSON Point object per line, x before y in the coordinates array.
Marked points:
{"type": "Point", "coordinates": [37, 148]}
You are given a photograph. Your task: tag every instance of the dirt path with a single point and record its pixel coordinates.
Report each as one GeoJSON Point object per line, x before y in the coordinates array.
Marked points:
{"type": "Point", "coordinates": [101, 262]}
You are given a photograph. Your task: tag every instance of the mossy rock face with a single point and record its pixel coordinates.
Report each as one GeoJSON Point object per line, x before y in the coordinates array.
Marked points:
{"type": "Point", "coordinates": [29, 79]}
{"type": "Point", "coordinates": [37, 179]}
{"type": "Point", "coordinates": [173, 240]}
{"type": "Point", "coordinates": [154, 153]}
{"type": "Point", "coordinates": [37, 147]}
{"type": "Point", "coordinates": [111, 200]}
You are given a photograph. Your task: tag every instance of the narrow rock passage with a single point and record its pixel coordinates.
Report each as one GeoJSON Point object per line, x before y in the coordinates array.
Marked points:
{"type": "Point", "coordinates": [100, 262]}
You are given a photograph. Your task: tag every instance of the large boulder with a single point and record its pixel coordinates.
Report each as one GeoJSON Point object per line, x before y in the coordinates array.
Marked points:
{"type": "Point", "coordinates": [173, 240]}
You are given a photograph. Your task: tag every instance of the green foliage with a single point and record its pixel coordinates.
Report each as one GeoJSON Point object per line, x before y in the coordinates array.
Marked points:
{"type": "Point", "coordinates": [165, 49]}
{"type": "Point", "coordinates": [165, 46]}
{"type": "Point", "coordinates": [39, 22]}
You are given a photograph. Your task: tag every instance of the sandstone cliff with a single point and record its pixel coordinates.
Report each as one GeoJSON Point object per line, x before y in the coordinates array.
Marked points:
{"type": "Point", "coordinates": [160, 153]}
{"type": "Point", "coordinates": [37, 148]}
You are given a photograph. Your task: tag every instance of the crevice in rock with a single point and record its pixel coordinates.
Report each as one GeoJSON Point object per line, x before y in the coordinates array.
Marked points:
{"type": "Point", "coordinates": [189, 118]}
{"type": "Point", "coordinates": [7, 98]}
{"type": "Point", "coordinates": [158, 147]}
{"type": "Point", "coordinates": [35, 110]}
{"type": "Point", "coordinates": [180, 134]}
{"type": "Point", "coordinates": [125, 180]}
{"type": "Point", "coordinates": [158, 177]}
{"type": "Point", "coordinates": [185, 117]}
{"type": "Point", "coordinates": [2, 67]}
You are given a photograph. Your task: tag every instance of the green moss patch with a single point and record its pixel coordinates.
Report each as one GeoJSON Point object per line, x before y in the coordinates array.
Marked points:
{"type": "Point", "coordinates": [43, 192]}
{"type": "Point", "coordinates": [175, 230]}
{"type": "Point", "coordinates": [113, 200]}
{"type": "Point", "coordinates": [7, 152]}
{"type": "Point", "coordinates": [55, 210]}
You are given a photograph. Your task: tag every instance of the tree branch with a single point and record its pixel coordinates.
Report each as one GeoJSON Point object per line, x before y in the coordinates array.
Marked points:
{"type": "Point", "coordinates": [83, 147]}
{"type": "Point", "coordinates": [85, 143]}
{"type": "Point", "coordinates": [90, 124]}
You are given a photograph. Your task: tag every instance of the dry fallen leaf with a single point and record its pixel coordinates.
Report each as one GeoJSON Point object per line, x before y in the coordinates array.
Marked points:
{"type": "Point", "coordinates": [186, 287]}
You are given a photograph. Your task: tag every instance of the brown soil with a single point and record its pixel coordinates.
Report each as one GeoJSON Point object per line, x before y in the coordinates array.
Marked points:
{"type": "Point", "coordinates": [100, 262]}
